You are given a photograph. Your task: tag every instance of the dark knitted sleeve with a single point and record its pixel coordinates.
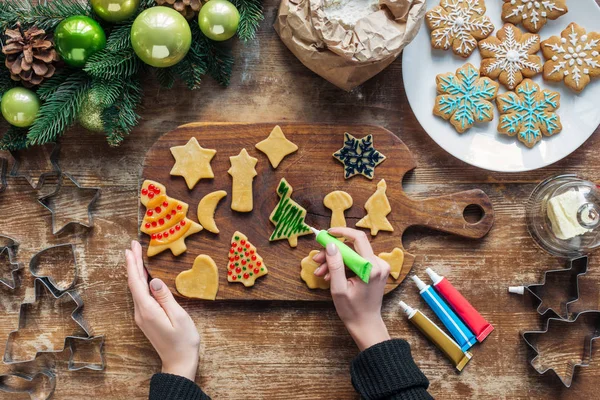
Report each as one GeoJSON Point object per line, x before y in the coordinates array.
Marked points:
{"type": "Point", "coordinates": [174, 387]}
{"type": "Point", "coordinates": [388, 371]}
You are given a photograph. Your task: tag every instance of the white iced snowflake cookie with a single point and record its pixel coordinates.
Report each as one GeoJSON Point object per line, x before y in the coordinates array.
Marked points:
{"type": "Point", "coordinates": [532, 13]}
{"type": "Point", "coordinates": [574, 57]}
{"type": "Point", "coordinates": [510, 57]}
{"type": "Point", "coordinates": [458, 24]}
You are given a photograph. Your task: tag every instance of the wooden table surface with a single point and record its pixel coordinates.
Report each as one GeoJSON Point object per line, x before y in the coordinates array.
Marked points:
{"type": "Point", "coordinates": [274, 350]}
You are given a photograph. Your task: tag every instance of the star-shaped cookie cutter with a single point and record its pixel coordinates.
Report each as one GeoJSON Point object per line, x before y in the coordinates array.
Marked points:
{"type": "Point", "coordinates": [531, 338]}
{"type": "Point", "coordinates": [53, 158]}
{"type": "Point", "coordinates": [51, 284]}
{"type": "Point", "coordinates": [44, 200]}
{"type": "Point", "coordinates": [77, 365]}
{"type": "Point", "coordinates": [77, 316]}
{"type": "Point", "coordinates": [9, 247]}
{"type": "Point", "coordinates": [31, 388]}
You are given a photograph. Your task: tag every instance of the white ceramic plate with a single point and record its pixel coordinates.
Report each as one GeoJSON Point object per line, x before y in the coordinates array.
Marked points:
{"type": "Point", "coordinates": [482, 145]}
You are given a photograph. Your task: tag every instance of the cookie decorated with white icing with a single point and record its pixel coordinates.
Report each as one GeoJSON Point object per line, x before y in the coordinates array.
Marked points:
{"type": "Point", "coordinates": [458, 24]}
{"type": "Point", "coordinates": [511, 56]}
{"type": "Point", "coordinates": [572, 57]}
{"type": "Point", "coordinates": [534, 14]}
{"type": "Point", "coordinates": [464, 97]}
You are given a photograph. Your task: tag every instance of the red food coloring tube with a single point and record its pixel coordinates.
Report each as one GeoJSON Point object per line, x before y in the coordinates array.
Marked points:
{"type": "Point", "coordinates": [470, 316]}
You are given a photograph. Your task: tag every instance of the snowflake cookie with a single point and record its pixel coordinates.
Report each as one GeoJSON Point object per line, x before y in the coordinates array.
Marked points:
{"type": "Point", "coordinates": [573, 57]}
{"type": "Point", "coordinates": [358, 156]}
{"type": "Point", "coordinates": [458, 24]}
{"type": "Point", "coordinates": [510, 56]}
{"type": "Point", "coordinates": [465, 98]}
{"type": "Point", "coordinates": [529, 112]}
{"type": "Point", "coordinates": [533, 13]}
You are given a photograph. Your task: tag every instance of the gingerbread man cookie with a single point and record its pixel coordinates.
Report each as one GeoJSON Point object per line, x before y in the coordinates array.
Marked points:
{"type": "Point", "coordinates": [465, 98]}
{"type": "Point", "coordinates": [200, 282]}
{"type": "Point", "coordinates": [532, 13]}
{"type": "Point", "coordinates": [192, 162]}
{"type": "Point", "coordinates": [573, 57]}
{"type": "Point", "coordinates": [458, 24]}
{"type": "Point", "coordinates": [511, 56]}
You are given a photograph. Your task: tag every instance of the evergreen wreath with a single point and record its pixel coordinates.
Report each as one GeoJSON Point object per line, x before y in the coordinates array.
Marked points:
{"type": "Point", "coordinates": [112, 75]}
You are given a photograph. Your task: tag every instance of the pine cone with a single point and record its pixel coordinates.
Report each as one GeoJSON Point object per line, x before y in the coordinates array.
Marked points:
{"type": "Point", "coordinates": [30, 55]}
{"type": "Point", "coordinates": [188, 8]}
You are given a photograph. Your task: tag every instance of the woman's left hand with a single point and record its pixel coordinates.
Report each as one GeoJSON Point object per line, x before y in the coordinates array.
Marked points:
{"type": "Point", "coordinates": [167, 326]}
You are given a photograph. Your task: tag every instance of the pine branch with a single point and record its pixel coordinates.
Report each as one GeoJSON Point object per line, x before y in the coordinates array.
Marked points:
{"type": "Point", "coordinates": [216, 57]}
{"type": "Point", "coordinates": [45, 15]}
{"type": "Point", "coordinates": [6, 82]}
{"type": "Point", "coordinates": [59, 110]}
{"type": "Point", "coordinates": [107, 64]}
{"type": "Point", "coordinates": [120, 37]}
{"type": "Point", "coordinates": [120, 118]}
{"type": "Point", "coordinates": [165, 77]}
{"type": "Point", "coordinates": [14, 139]}
{"type": "Point", "coordinates": [251, 14]}
{"type": "Point", "coordinates": [49, 86]}
{"type": "Point", "coordinates": [106, 92]}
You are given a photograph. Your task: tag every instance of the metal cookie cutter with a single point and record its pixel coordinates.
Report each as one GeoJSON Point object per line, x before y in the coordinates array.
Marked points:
{"type": "Point", "coordinates": [8, 250]}
{"type": "Point", "coordinates": [97, 342]}
{"type": "Point", "coordinates": [50, 151]}
{"type": "Point", "coordinates": [576, 268]}
{"type": "Point", "coordinates": [51, 284]}
{"type": "Point", "coordinates": [3, 166]}
{"type": "Point", "coordinates": [39, 386]}
{"type": "Point", "coordinates": [45, 200]}
{"type": "Point", "coordinates": [76, 315]}
{"type": "Point", "coordinates": [531, 338]}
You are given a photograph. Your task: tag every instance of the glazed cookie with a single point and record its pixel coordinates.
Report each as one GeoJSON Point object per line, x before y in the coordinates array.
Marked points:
{"type": "Point", "coordinates": [532, 13]}
{"type": "Point", "coordinates": [465, 98]}
{"type": "Point", "coordinates": [573, 57]}
{"type": "Point", "coordinates": [458, 24]}
{"type": "Point", "coordinates": [529, 113]}
{"type": "Point", "coordinates": [359, 156]}
{"type": "Point", "coordinates": [510, 57]}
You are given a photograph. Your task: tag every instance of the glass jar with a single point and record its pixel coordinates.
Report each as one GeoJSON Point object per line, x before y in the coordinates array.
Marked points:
{"type": "Point", "coordinates": [581, 207]}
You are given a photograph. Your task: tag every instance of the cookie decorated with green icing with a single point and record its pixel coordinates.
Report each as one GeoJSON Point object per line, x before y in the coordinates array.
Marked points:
{"type": "Point", "coordinates": [465, 98]}
{"type": "Point", "coordinates": [245, 264]}
{"type": "Point", "coordinates": [288, 216]}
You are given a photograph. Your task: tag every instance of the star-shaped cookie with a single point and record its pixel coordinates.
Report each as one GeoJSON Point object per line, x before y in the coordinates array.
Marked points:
{"type": "Point", "coordinates": [358, 156]}
{"type": "Point", "coordinates": [276, 146]}
{"type": "Point", "coordinates": [192, 162]}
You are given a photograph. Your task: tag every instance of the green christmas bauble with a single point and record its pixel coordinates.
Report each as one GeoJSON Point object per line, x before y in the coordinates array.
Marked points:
{"type": "Point", "coordinates": [90, 113]}
{"type": "Point", "coordinates": [115, 10]}
{"type": "Point", "coordinates": [20, 106]}
{"type": "Point", "coordinates": [161, 37]}
{"type": "Point", "coordinates": [219, 20]}
{"type": "Point", "coordinates": [77, 38]}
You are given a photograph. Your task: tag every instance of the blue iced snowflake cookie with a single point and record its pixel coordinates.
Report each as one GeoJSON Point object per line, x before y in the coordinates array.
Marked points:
{"type": "Point", "coordinates": [529, 113]}
{"type": "Point", "coordinates": [465, 98]}
{"type": "Point", "coordinates": [358, 156]}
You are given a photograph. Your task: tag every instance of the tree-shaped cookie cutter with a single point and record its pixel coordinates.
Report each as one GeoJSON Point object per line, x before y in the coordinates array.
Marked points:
{"type": "Point", "coordinates": [51, 284]}
{"type": "Point", "coordinates": [9, 247]}
{"type": "Point", "coordinates": [18, 156]}
{"type": "Point", "coordinates": [23, 383]}
{"type": "Point", "coordinates": [76, 315]}
{"type": "Point", "coordinates": [44, 201]}
{"type": "Point", "coordinates": [531, 338]}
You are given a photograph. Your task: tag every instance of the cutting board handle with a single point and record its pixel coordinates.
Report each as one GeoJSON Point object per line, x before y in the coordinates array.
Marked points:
{"type": "Point", "coordinates": [447, 213]}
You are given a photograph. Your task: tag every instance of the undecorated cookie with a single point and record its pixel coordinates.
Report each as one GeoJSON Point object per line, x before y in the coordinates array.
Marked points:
{"type": "Point", "coordinates": [192, 162]}
{"type": "Point", "coordinates": [465, 98]}
{"type": "Point", "coordinates": [307, 272]}
{"type": "Point", "coordinates": [338, 202]}
{"type": "Point", "coordinates": [200, 282]}
{"type": "Point", "coordinates": [378, 207]}
{"type": "Point", "coordinates": [276, 147]}
{"type": "Point", "coordinates": [242, 171]}
{"type": "Point", "coordinates": [207, 208]}
{"type": "Point", "coordinates": [458, 24]}
{"type": "Point", "coordinates": [395, 259]}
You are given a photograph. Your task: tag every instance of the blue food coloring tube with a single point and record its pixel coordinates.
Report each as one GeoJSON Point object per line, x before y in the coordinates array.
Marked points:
{"type": "Point", "coordinates": [459, 331]}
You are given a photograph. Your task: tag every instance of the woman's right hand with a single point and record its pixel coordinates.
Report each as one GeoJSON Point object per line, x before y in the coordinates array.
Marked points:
{"type": "Point", "coordinates": [167, 326]}
{"type": "Point", "coordinates": [358, 304]}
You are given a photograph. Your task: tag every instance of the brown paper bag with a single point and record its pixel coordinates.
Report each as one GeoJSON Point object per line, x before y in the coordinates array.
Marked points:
{"type": "Point", "coordinates": [348, 57]}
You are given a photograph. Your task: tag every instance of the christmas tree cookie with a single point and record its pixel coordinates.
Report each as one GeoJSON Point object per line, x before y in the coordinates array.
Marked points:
{"type": "Point", "coordinates": [288, 217]}
{"type": "Point", "coordinates": [276, 146]}
{"type": "Point", "coordinates": [378, 207]}
{"type": "Point", "coordinates": [165, 220]}
{"type": "Point", "coordinates": [192, 162]}
{"type": "Point", "coordinates": [200, 282]}
{"type": "Point", "coordinates": [307, 273]}
{"type": "Point", "coordinates": [242, 171]}
{"type": "Point", "coordinates": [358, 156]}
{"type": "Point", "coordinates": [245, 264]}
{"type": "Point", "coordinates": [396, 260]}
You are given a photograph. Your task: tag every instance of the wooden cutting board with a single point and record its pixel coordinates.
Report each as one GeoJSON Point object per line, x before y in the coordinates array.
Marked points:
{"type": "Point", "coordinates": [313, 173]}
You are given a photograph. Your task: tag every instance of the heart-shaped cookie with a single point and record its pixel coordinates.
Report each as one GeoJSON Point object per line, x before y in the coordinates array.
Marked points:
{"type": "Point", "coordinates": [200, 282]}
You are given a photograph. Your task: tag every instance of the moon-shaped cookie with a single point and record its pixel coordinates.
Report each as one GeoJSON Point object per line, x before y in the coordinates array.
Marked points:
{"type": "Point", "coordinates": [206, 210]}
